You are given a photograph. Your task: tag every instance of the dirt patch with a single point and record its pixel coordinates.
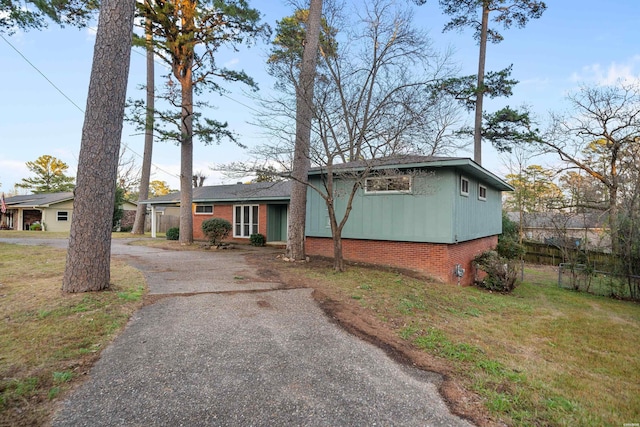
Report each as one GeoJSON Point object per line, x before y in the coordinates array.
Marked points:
{"type": "Point", "coordinates": [364, 324]}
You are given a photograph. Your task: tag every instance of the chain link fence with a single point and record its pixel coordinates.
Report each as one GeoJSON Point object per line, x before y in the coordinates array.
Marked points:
{"type": "Point", "coordinates": [585, 278]}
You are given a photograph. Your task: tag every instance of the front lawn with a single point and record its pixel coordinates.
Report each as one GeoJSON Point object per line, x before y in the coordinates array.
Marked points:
{"type": "Point", "coordinates": [48, 339]}
{"type": "Point", "coordinates": [539, 356]}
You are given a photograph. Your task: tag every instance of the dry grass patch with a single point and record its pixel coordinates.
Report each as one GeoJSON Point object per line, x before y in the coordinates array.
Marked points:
{"type": "Point", "coordinates": [540, 356]}
{"type": "Point", "coordinates": [49, 339]}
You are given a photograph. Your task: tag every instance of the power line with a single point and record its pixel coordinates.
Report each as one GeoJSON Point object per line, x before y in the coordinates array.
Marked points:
{"type": "Point", "coordinates": [74, 104]}
{"type": "Point", "coordinates": [42, 74]}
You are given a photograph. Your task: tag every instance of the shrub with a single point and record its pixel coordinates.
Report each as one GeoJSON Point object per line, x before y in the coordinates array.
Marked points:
{"type": "Point", "coordinates": [216, 229]}
{"type": "Point", "coordinates": [502, 273]}
{"type": "Point", "coordinates": [35, 227]}
{"type": "Point", "coordinates": [510, 248]}
{"type": "Point", "coordinates": [173, 233]}
{"type": "Point", "coordinates": [257, 239]}
{"type": "Point", "coordinates": [508, 245]}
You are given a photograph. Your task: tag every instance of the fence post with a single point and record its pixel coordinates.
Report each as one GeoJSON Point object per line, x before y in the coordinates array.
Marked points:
{"type": "Point", "coordinates": [560, 275]}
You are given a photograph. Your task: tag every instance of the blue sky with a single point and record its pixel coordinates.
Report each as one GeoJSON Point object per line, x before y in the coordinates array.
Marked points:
{"type": "Point", "coordinates": [575, 42]}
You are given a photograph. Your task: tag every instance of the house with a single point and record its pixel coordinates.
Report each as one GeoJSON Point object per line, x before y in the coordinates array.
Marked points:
{"type": "Point", "coordinates": [588, 230]}
{"type": "Point", "coordinates": [52, 211]}
{"type": "Point", "coordinates": [429, 214]}
{"type": "Point", "coordinates": [432, 214]}
{"type": "Point", "coordinates": [251, 208]}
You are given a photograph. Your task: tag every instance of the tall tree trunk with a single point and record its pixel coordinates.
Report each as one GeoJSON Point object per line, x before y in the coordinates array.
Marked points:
{"type": "Point", "coordinates": [89, 254]}
{"type": "Point", "coordinates": [143, 193]}
{"type": "Point", "coordinates": [304, 113]}
{"type": "Point", "coordinates": [613, 215]}
{"type": "Point", "coordinates": [186, 161]}
{"type": "Point", "coordinates": [477, 127]}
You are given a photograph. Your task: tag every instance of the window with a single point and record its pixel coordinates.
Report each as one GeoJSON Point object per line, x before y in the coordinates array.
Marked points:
{"type": "Point", "coordinates": [245, 220]}
{"type": "Point", "coordinates": [464, 186]}
{"type": "Point", "coordinates": [482, 192]}
{"type": "Point", "coordinates": [62, 216]}
{"type": "Point", "coordinates": [204, 209]}
{"type": "Point", "coordinates": [388, 184]}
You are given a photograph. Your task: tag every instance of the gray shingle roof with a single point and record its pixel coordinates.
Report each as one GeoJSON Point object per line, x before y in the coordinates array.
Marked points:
{"type": "Point", "coordinates": [235, 192]}
{"type": "Point", "coordinates": [560, 220]}
{"type": "Point", "coordinates": [37, 200]}
{"type": "Point", "coordinates": [398, 161]}
{"type": "Point", "coordinates": [464, 164]}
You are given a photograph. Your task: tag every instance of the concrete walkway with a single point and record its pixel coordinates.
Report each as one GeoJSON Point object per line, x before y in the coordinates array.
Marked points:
{"type": "Point", "coordinates": [228, 357]}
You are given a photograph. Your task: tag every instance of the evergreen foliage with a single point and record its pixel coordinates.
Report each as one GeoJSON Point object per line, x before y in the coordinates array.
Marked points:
{"type": "Point", "coordinates": [49, 176]}
{"type": "Point", "coordinates": [173, 233]}
{"type": "Point", "coordinates": [216, 230]}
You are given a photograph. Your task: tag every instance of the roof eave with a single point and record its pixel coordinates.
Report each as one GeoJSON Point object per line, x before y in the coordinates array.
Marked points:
{"type": "Point", "coordinates": [463, 163]}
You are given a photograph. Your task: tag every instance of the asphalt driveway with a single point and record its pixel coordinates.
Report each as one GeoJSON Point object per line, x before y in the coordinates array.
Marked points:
{"type": "Point", "coordinates": [225, 348]}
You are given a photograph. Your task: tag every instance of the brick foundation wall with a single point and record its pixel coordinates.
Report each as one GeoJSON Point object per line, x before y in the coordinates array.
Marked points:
{"type": "Point", "coordinates": [435, 259]}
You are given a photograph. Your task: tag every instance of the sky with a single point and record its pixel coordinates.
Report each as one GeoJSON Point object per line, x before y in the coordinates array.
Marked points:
{"type": "Point", "coordinates": [44, 79]}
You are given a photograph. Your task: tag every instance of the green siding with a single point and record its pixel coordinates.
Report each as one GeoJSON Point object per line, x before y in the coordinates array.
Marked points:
{"type": "Point", "coordinates": [475, 218]}
{"type": "Point", "coordinates": [435, 211]}
{"type": "Point", "coordinates": [277, 223]}
{"type": "Point", "coordinates": [422, 216]}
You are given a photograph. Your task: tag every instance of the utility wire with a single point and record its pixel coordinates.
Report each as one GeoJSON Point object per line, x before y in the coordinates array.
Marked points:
{"type": "Point", "coordinates": [42, 74]}
{"type": "Point", "coordinates": [74, 104]}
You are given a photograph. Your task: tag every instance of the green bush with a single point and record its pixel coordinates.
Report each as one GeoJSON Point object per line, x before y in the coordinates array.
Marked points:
{"type": "Point", "coordinates": [257, 239]}
{"type": "Point", "coordinates": [35, 227]}
{"type": "Point", "coordinates": [216, 230]}
{"type": "Point", "coordinates": [502, 273]}
{"type": "Point", "coordinates": [508, 242]}
{"type": "Point", "coordinates": [173, 233]}
{"type": "Point", "coordinates": [510, 248]}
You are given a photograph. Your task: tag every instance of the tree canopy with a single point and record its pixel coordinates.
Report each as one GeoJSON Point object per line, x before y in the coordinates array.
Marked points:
{"type": "Point", "coordinates": [34, 14]}
{"type": "Point", "coordinates": [50, 176]}
{"type": "Point", "coordinates": [186, 36]}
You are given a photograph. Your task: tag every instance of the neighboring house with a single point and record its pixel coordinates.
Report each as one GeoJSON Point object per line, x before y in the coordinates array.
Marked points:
{"type": "Point", "coordinates": [52, 210]}
{"type": "Point", "coordinates": [585, 230]}
{"type": "Point", "coordinates": [423, 213]}
{"type": "Point", "coordinates": [251, 208]}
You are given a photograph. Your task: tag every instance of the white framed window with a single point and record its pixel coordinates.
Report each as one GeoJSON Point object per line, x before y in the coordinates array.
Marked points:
{"type": "Point", "coordinates": [204, 209]}
{"type": "Point", "coordinates": [62, 216]}
{"type": "Point", "coordinates": [245, 220]}
{"type": "Point", "coordinates": [388, 184]}
{"type": "Point", "coordinates": [464, 186]}
{"type": "Point", "coordinates": [482, 192]}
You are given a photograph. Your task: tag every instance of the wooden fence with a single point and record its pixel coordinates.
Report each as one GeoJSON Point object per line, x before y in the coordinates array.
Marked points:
{"type": "Point", "coordinates": [541, 253]}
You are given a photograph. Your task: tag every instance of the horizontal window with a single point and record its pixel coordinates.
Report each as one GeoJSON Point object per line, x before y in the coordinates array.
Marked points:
{"type": "Point", "coordinates": [388, 184]}
{"type": "Point", "coordinates": [62, 216]}
{"type": "Point", "coordinates": [204, 209]}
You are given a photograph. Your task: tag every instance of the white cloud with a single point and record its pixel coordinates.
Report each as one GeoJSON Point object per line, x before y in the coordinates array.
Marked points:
{"type": "Point", "coordinates": [232, 62]}
{"type": "Point", "coordinates": [11, 172]}
{"type": "Point", "coordinates": [625, 72]}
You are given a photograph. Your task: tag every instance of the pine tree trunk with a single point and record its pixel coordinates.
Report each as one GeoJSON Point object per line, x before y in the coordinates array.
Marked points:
{"type": "Point", "coordinates": [304, 113]}
{"type": "Point", "coordinates": [186, 161]}
{"type": "Point", "coordinates": [477, 128]}
{"type": "Point", "coordinates": [143, 193]}
{"type": "Point", "coordinates": [89, 254]}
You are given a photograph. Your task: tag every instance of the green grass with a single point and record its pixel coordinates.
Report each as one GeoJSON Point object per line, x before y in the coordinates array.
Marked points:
{"type": "Point", "coordinates": [539, 356]}
{"type": "Point", "coordinates": [48, 338]}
